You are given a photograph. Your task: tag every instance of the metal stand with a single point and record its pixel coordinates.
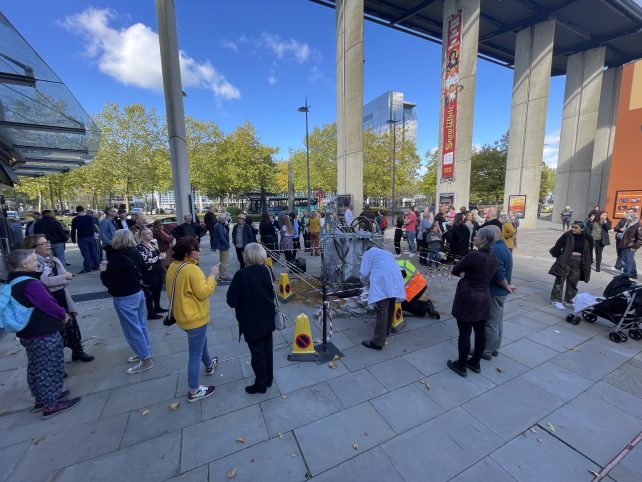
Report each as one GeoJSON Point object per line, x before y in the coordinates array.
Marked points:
{"type": "Point", "coordinates": [326, 351]}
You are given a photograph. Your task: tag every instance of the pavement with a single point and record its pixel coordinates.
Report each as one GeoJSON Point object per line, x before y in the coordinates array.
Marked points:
{"type": "Point", "coordinates": [559, 403]}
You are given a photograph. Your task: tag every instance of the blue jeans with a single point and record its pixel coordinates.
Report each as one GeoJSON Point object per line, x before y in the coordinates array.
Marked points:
{"type": "Point", "coordinates": [411, 241]}
{"type": "Point", "coordinates": [87, 248]}
{"type": "Point", "coordinates": [59, 251]}
{"type": "Point", "coordinates": [133, 321]}
{"type": "Point", "coordinates": [628, 260]}
{"type": "Point", "coordinates": [197, 342]}
{"type": "Point", "coordinates": [433, 256]}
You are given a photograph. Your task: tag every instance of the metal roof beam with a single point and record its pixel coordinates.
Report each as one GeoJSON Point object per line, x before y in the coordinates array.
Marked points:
{"type": "Point", "coordinates": [599, 41]}
{"type": "Point", "coordinates": [412, 12]}
{"type": "Point", "coordinates": [54, 161]}
{"type": "Point", "coordinates": [20, 169]}
{"type": "Point", "coordinates": [544, 14]}
{"type": "Point", "coordinates": [43, 127]}
{"type": "Point", "coordinates": [52, 149]}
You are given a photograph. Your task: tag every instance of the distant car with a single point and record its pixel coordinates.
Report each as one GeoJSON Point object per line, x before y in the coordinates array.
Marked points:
{"type": "Point", "coordinates": [169, 223]}
{"type": "Point", "coordinates": [136, 211]}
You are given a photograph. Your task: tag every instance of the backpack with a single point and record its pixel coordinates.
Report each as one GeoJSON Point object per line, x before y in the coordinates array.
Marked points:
{"type": "Point", "coordinates": [384, 222]}
{"type": "Point", "coordinates": [13, 316]}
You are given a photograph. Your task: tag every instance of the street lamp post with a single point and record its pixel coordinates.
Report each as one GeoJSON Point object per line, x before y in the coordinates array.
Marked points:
{"type": "Point", "coordinates": [306, 109]}
{"type": "Point", "coordinates": [393, 124]}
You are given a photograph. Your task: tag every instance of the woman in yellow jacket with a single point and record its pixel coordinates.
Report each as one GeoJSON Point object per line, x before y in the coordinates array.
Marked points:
{"type": "Point", "coordinates": [191, 310]}
{"type": "Point", "coordinates": [508, 231]}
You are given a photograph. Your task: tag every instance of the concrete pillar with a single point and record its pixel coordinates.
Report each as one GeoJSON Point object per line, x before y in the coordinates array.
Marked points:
{"type": "Point", "coordinates": [460, 186]}
{"type": "Point", "coordinates": [604, 136]}
{"type": "Point", "coordinates": [350, 100]}
{"type": "Point", "coordinates": [577, 136]}
{"type": "Point", "coordinates": [531, 80]}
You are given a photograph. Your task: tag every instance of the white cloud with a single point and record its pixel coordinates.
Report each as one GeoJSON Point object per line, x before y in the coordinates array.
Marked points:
{"type": "Point", "coordinates": [132, 55]}
{"type": "Point", "coordinates": [551, 148]}
{"type": "Point", "coordinates": [229, 44]}
{"type": "Point", "coordinates": [272, 80]}
{"type": "Point", "coordinates": [315, 74]}
{"type": "Point", "coordinates": [285, 48]}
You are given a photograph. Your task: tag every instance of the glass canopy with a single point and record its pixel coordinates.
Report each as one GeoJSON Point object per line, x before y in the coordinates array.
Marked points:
{"type": "Point", "coordinates": [43, 128]}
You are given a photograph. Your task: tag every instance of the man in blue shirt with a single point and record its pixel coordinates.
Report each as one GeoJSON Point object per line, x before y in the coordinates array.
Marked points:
{"type": "Point", "coordinates": [386, 286]}
{"type": "Point", "coordinates": [82, 229]}
{"type": "Point", "coordinates": [107, 229]}
{"type": "Point", "coordinates": [500, 288]}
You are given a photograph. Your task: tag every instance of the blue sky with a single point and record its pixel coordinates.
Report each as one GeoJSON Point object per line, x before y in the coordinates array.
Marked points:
{"type": "Point", "coordinates": [252, 60]}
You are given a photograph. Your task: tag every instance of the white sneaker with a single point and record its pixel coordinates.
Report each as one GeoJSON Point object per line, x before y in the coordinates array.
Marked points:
{"type": "Point", "coordinates": [133, 359]}
{"type": "Point", "coordinates": [615, 269]}
{"type": "Point", "coordinates": [201, 393]}
{"type": "Point", "coordinates": [558, 305]}
{"type": "Point", "coordinates": [141, 366]}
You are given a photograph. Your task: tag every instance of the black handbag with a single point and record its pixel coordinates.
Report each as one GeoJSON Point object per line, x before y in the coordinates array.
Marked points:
{"type": "Point", "coordinates": [169, 319]}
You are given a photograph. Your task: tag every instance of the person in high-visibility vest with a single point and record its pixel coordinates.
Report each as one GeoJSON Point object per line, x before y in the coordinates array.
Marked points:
{"type": "Point", "coordinates": [414, 285]}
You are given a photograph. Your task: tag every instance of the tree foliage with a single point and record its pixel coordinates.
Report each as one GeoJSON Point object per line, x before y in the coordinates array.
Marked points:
{"type": "Point", "coordinates": [488, 172]}
{"type": "Point", "coordinates": [547, 182]}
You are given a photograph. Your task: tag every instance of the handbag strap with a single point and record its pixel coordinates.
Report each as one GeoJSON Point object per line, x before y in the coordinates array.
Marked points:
{"type": "Point", "coordinates": [171, 299]}
{"type": "Point", "coordinates": [276, 300]}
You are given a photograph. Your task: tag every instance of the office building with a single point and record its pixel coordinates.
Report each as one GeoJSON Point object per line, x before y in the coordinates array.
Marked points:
{"type": "Point", "coordinates": [391, 106]}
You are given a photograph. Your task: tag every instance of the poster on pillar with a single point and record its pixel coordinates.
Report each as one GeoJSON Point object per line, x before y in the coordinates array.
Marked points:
{"type": "Point", "coordinates": [517, 205]}
{"type": "Point", "coordinates": [451, 88]}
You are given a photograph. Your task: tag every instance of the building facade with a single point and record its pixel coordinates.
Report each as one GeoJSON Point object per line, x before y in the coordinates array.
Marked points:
{"type": "Point", "coordinates": [381, 112]}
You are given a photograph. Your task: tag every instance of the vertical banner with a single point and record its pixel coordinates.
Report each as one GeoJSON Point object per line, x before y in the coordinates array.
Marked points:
{"type": "Point", "coordinates": [451, 88]}
{"type": "Point", "coordinates": [517, 205]}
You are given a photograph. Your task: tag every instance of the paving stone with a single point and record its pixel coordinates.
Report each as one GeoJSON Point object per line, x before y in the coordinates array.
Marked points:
{"type": "Point", "coordinates": [430, 335]}
{"type": "Point", "coordinates": [512, 407]}
{"type": "Point", "coordinates": [25, 425]}
{"type": "Point", "coordinates": [559, 337]}
{"type": "Point", "coordinates": [9, 458]}
{"type": "Point", "coordinates": [594, 427]}
{"type": "Point", "coordinates": [278, 459]}
{"type": "Point", "coordinates": [226, 372]}
{"type": "Point", "coordinates": [520, 327]}
{"type": "Point", "coordinates": [617, 397]}
{"type": "Point", "coordinates": [279, 360]}
{"type": "Point", "coordinates": [232, 396]}
{"type": "Point", "coordinates": [216, 438]}
{"type": "Point", "coordinates": [450, 390]}
{"type": "Point", "coordinates": [549, 315]}
{"type": "Point", "coordinates": [299, 408]}
{"type": "Point", "coordinates": [485, 469]}
{"type": "Point", "coordinates": [528, 352]}
{"type": "Point", "coordinates": [395, 373]}
{"type": "Point", "coordinates": [558, 381]}
{"type": "Point", "coordinates": [371, 466]}
{"type": "Point", "coordinates": [70, 446]}
{"type": "Point", "coordinates": [540, 456]}
{"type": "Point", "coordinates": [594, 359]}
{"type": "Point", "coordinates": [160, 419]}
{"type": "Point", "coordinates": [354, 388]}
{"type": "Point", "coordinates": [441, 448]}
{"type": "Point", "coordinates": [627, 377]}
{"type": "Point", "coordinates": [199, 474]}
{"type": "Point", "coordinates": [301, 375]}
{"type": "Point", "coordinates": [406, 407]}
{"type": "Point", "coordinates": [329, 441]}
{"type": "Point", "coordinates": [431, 360]}
{"type": "Point", "coordinates": [140, 395]}
{"type": "Point", "coordinates": [501, 369]}
{"type": "Point", "coordinates": [359, 357]}
{"type": "Point", "coordinates": [154, 459]}
{"type": "Point", "coordinates": [630, 468]}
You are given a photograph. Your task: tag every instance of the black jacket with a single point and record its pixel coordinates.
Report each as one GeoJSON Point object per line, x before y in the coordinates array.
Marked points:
{"type": "Point", "coordinates": [606, 227]}
{"type": "Point", "coordinates": [124, 272]}
{"type": "Point", "coordinates": [121, 223]}
{"type": "Point", "coordinates": [472, 298]}
{"type": "Point", "coordinates": [40, 323]}
{"type": "Point", "coordinates": [563, 250]}
{"type": "Point", "coordinates": [459, 241]}
{"type": "Point", "coordinates": [251, 294]}
{"type": "Point", "coordinates": [249, 235]}
{"type": "Point", "coordinates": [51, 228]}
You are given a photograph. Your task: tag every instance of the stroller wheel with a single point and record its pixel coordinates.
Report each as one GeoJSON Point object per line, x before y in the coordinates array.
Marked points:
{"type": "Point", "coordinates": [590, 317]}
{"type": "Point", "coordinates": [576, 320]}
{"type": "Point", "coordinates": [623, 337]}
{"type": "Point", "coordinates": [569, 317]}
{"type": "Point", "coordinates": [635, 334]}
{"type": "Point", "coordinates": [614, 337]}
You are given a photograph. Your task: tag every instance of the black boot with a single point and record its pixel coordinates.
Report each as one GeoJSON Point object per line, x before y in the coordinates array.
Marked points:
{"type": "Point", "coordinates": [80, 355]}
{"type": "Point", "coordinates": [256, 388]}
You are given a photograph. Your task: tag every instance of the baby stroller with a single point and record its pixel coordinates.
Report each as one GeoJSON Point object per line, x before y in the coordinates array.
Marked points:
{"type": "Point", "coordinates": [621, 305]}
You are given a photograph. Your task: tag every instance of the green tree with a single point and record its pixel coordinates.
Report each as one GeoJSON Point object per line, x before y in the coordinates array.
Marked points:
{"type": "Point", "coordinates": [547, 182]}
{"type": "Point", "coordinates": [488, 172]}
{"type": "Point", "coordinates": [428, 182]}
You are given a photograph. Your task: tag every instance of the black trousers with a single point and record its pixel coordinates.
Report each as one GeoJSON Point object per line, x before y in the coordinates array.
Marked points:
{"type": "Point", "coordinates": [154, 281]}
{"type": "Point", "coordinates": [463, 345]}
{"type": "Point", "coordinates": [397, 240]}
{"type": "Point", "coordinates": [239, 256]}
{"type": "Point", "coordinates": [599, 247]}
{"type": "Point", "coordinates": [423, 251]}
{"type": "Point", "coordinates": [262, 363]}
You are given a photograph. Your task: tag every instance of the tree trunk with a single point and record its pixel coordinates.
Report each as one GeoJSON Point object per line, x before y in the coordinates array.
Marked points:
{"type": "Point", "coordinates": [52, 205]}
{"type": "Point", "coordinates": [290, 186]}
{"type": "Point", "coordinates": [39, 200]}
{"type": "Point", "coordinates": [127, 193]}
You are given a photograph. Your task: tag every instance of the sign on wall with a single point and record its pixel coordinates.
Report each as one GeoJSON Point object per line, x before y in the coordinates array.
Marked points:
{"type": "Point", "coordinates": [625, 200]}
{"type": "Point", "coordinates": [447, 199]}
{"type": "Point", "coordinates": [517, 204]}
{"type": "Point", "coordinates": [451, 88]}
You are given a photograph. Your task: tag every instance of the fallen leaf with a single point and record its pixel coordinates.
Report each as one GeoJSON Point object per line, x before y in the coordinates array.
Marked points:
{"type": "Point", "coordinates": [423, 382]}
{"type": "Point", "coordinates": [534, 429]}
{"type": "Point", "coordinates": [308, 475]}
{"type": "Point", "coordinates": [39, 439]}
{"type": "Point", "coordinates": [593, 472]}
{"type": "Point", "coordinates": [575, 349]}
{"type": "Point", "coordinates": [241, 440]}
{"type": "Point", "coordinates": [550, 427]}
{"type": "Point", "coordinates": [365, 434]}
{"type": "Point", "coordinates": [231, 473]}
{"type": "Point", "coordinates": [336, 357]}
{"type": "Point", "coordinates": [173, 406]}
{"type": "Point", "coordinates": [557, 331]}
{"type": "Point", "coordinates": [332, 365]}
{"type": "Point", "coordinates": [280, 435]}
{"type": "Point", "coordinates": [144, 412]}
{"type": "Point", "coordinates": [428, 386]}
{"type": "Point", "coordinates": [539, 439]}
{"type": "Point", "coordinates": [284, 397]}
{"type": "Point", "coordinates": [355, 446]}
{"type": "Point", "coordinates": [98, 343]}
{"type": "Point", "coordinates": [499, 370]}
